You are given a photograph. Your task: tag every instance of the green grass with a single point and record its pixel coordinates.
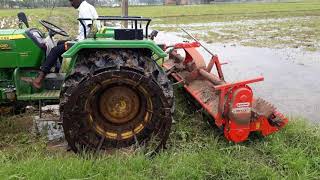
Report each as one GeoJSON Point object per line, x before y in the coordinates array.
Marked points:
{"type": "Point", "coordinates": [195, 151]}
{"type": "Point", "coordinates": [195, 10]}
{"type": "Point", "coordinates": [188, 14]}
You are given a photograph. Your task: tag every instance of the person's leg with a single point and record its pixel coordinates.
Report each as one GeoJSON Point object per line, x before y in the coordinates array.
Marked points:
{"type": "Point", "coordinates": [51, 60]}
{"type": "Point", "coordinates": [61, 42]}
{"type": "Point", "coordinates": [58, 63]}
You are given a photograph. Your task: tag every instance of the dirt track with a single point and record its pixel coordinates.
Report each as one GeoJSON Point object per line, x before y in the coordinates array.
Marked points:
{"type": "Point", "coordinates": [291, 75]}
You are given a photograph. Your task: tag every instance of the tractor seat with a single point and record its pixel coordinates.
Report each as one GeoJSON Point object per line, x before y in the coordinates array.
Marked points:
{"type": "Point", "coordinates": [37, 37]}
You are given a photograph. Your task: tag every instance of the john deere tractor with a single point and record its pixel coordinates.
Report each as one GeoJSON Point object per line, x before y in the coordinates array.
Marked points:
{"type": "Point", "coordinates": [112, 92]}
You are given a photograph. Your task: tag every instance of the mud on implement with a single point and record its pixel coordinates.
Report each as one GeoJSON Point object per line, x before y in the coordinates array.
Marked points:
{"type": "Point", "coordinates": [231, 105]}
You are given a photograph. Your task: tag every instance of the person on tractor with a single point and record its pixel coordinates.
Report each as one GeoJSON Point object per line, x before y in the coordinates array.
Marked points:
{"type": "Point", "coordinates": [86, 10]}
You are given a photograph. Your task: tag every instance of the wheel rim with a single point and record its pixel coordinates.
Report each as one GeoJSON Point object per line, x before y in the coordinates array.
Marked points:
{"type": "Point", "coordinates": [119, 109]}
{"type": "Point", "coordinates": [119, 104]}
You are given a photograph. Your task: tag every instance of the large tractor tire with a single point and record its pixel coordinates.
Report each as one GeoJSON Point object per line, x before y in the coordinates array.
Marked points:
{"type": "Point", "coordinates": [116, 98]}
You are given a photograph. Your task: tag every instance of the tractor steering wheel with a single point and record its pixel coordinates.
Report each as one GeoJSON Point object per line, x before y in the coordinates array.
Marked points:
{"type": "Point", "coordinates": [53, 28]}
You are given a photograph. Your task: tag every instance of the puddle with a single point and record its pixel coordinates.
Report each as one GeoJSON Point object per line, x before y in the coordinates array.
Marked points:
{"type": "Point", "coordinates": [291, 83]}
{"type": "Point", "coordinates": [235, 23]}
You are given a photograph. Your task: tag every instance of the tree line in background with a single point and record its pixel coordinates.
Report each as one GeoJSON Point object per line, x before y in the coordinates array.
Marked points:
{"type": "Point", "coordinates": [50, 3]}
{"type": "Point", "coordinates": [110, 3]}
{"type": "Point", "coordinates": [32, 3]}
{"type": "Point", "coordinates": [64, 3]}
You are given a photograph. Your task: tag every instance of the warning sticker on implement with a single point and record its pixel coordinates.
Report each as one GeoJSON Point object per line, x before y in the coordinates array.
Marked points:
{"type": "Point", "coordinates": [240, 105]}
{"type": "Point", "coordinates": [241, 110]}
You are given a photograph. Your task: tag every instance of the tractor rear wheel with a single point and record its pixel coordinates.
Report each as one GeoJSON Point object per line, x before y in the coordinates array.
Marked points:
{"type": "Point", "coordinates": [116, 98]}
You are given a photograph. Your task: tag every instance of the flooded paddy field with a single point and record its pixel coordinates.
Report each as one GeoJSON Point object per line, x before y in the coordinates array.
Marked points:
{"type": "Point", "coordinates": [285, 50]}
{"type": "Point", "coordinates": [294, 32]}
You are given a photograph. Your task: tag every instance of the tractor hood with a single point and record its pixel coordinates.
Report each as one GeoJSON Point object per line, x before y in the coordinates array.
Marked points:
{"type": "Point", "coordinates": [20, 48]}
{"type": "Point", "coordinates": [12, 34]}
{"type": "Point", "coordinates": [11, 31]}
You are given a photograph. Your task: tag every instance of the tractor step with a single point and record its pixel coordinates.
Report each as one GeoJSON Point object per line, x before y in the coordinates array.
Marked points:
{"type": "Point", "coordinates": [53, 81]}
{"type": "Point", "coordinates": [44, 95]}
{"type": "Point", "coordinates": [26, 92]}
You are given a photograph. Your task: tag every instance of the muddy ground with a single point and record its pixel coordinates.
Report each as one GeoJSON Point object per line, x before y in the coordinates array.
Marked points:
{"type": "Point", "coordinates": [291, 74]}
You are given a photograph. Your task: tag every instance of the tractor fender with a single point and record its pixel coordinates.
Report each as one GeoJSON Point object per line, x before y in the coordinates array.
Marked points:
{"type": "Point", "coordinates": [107, 44]}
{"type": "Point", "coordinates": [70, 56]}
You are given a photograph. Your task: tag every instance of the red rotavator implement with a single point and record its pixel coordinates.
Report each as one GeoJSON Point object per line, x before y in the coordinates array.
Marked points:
{"type": "Point", "coordinates": [231, 105]}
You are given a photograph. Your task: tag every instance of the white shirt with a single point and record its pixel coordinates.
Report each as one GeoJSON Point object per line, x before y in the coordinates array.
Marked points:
{"type": "Point", "coordinates": [86, 10]}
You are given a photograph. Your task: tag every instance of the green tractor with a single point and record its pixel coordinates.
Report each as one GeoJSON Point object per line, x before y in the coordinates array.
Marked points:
{"type": "Point", "coordinates": [112, 92]}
